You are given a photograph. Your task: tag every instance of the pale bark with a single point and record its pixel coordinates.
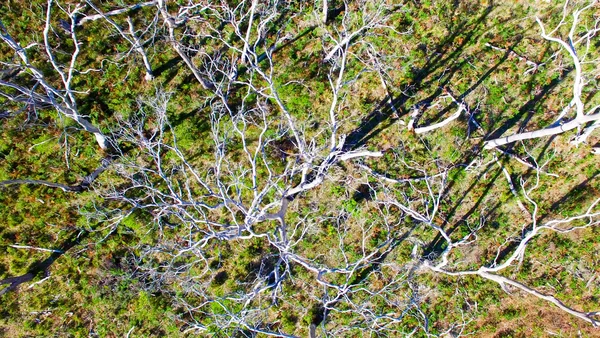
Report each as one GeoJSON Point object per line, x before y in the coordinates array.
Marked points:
{"type": "Point", "coordinates": [581, 116]}
{"type": "Point", "coordinates": [324, 11]}
{"type": "Point", "coordinates": [170, 22]}
{"type": "Point", "coordinates": [248, 31]}
{"type": "Point", "coordinates": [422, 130]}
{"type": "Point", "coordinates": [577, 122]}
{"type": "Point", "coordinates": [114, 12]}
{"type": "Point", "coordinates": [68, 105]}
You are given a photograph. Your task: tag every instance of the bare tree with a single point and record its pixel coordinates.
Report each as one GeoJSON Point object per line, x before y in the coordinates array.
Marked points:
{"type": "Point", "coordinates": [62, 99]}
{"type": "Point", "coordinates": [131, 36]}
{"type": "Point", "coordinates": [374, 16]}
{"type": "Point", "coordinates": [519, 245]}
{"type": "Point", "coordinates": [576, 45]}
{"type": "Point", "coordinates": [273, 196]}
{"type": "Point", "coordinates": [264, 159]}
{"type": "Point", "coordinates": [417, 112]}
{"type": "Point", "coordinates": [172, 22]}
{"type": "Point", "coordinates": [324, 11]}
{"type": "Point", "coordinates": [266, 163]}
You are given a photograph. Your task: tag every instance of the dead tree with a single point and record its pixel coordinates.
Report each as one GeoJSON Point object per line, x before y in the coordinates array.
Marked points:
{"type": "Point", "coordinates": [576, 45]}
{"type": "Point", "coordinates": [493, 271]}
{"type": "Point", "coordinates": [131, 36]}
{"type": "Point", "coordinates": [246, 195]}
{"type": "Point", "coordinates": [62, 98]}
{"type": "Point", "coordinates": [274, 185]}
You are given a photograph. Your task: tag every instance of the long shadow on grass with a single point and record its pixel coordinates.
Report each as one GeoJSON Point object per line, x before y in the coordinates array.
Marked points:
{"type": "Point", "coordinates": [438, 244]}
{"type": "Point", "coordinates": [526, 111]}
{"type": "Point", "coordinates": [42, 267]}
{"type": "Point", "coordinates": [444, 54]}
{"type": "Point", "coordinates": [523, 117]}
{"type": "Point", "coordinates": [387, 113]}
{"type": "Point", "coordinates": [578, 196]}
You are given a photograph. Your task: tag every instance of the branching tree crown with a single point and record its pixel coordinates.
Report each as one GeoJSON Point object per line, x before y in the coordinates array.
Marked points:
{"type": "Point", "coordinates": [336, 168]}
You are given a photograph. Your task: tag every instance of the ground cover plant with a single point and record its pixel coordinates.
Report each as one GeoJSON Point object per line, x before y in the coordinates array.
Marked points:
{"type": "Point", "coordinates": [289, 168]}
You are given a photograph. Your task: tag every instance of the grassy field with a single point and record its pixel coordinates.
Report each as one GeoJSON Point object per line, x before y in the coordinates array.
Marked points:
{"type": "Point", "coordinates": [139, 253]}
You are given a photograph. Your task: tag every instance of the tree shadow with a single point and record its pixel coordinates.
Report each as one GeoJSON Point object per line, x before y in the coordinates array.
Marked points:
{"type": "Point", "coordinates": [526, 111]}
{"type": "Point", "coordinates": [42, 267]}
{"type": "Point", "coordinates": [437, 245]}
{"type": "Point", "coordinates": [391, 109]}
{"type": "Point", "coordinates": [446, 56]}
{"type": "Point", "coordinates": [576, 196]}
{"type": "Point", "coordinates": [169, 65]}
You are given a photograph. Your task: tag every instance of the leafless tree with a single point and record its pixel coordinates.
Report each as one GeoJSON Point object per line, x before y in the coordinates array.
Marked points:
{"type": "Point", "coordinates": [264, 159]}
{"type": "Point", "coordinates": [263, 176]}
{"type": "Point", "coordinates": [44, 93]}
{"type": "Point", "coordinates": [131, 35]}
{"type": "Point", "coordinates": [576, 45]}
{"type": "Point", "coordinates": [519, 243]}
{"type": "Point", "coordinates": [265, 162]}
